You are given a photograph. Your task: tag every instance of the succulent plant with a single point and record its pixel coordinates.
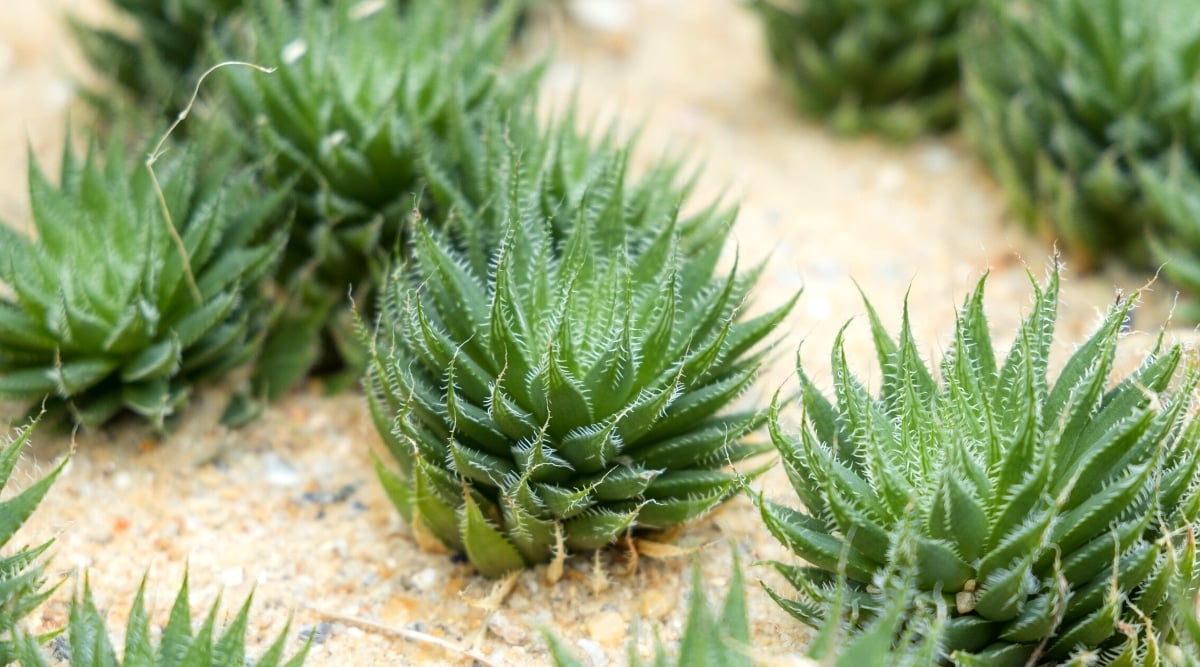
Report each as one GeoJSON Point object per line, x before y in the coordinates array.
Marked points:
{"type": "Point", "coordinates": [1085, 111]}
{"type": "Point", "coordinates": [1052, 518]}
{"type": "Point", "coordinates": [870, 65]}
{"type": "Point", "coordinates": [714, 640]}
{"type": "Point", "coordinates": [573, 391]}
{"type": "Point", "coordinates": [360, 90]}
{"type": "Point", "coordinates": [178, 645]}
{"type": "Point", "coordinates": [22, 585]}
{"type": "Point", "coordinates": [114, 306]}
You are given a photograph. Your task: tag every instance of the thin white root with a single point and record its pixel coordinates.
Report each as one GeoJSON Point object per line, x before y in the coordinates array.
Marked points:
{"type": "Point", "coordinates": [408, 635]}
{"type": "Point", "coordinates": [193, 287]}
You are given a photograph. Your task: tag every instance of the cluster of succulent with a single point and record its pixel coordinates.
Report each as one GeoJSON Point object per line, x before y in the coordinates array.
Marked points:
{"type": "Point", "coordinates": [23, 589]}
{"type": "Point", "coordinates": [870, 65]}
{"type": "Point", "coordinates": [187, 270]}
{"type": "Point", "coordinates": [360, 92]}
{"type": "Point", "coordinates": [554, 391]}
{"type": "Point", "coordinates": [141, 281]}
{"type": "Point", "coordinates": [556, 356]}
{"type": "Point", "coordinates": [1086, 112]}
{"type": "Point", "coordinates": [1053, 519]}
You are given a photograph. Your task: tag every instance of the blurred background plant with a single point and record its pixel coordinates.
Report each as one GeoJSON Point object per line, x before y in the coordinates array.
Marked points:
{"type": "Point", "coordinates": [136, 285]}
{"type": "Point", "coordinates": [886, 66]}
{"type": "Point", "coordinates": [1088, 114]}
{"type": "Point", "coordinates": [360, 91]}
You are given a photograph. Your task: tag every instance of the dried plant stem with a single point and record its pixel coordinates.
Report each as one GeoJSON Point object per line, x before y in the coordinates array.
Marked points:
{"type": "Point", "coordinates": [402, 633]}
{"type": "Point", "coordinates": [158, 191]}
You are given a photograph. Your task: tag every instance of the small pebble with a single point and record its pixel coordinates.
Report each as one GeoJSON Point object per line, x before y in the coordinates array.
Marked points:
{"type": "Point", "coordinates": [594, 652]}
{"type": "Point", "coordinates": [319, 632]}
{"type": "Point", "coordinates": [99, 535]}
{"type": "Point", "coordinates": [59, 93]}
{"type": "Point", "coordinates": [890, 179]}
{"type": "Point", "coordinates": [655, 604]}
{"type": "Point", "coordinates": [607, 15]}
{"type": "Point", "coordinates": [608, 628]}
{"type": "Point", "coordinates": [233, 576]}
{"type": "Point", "coordinates": [60, 648]}
{"type": "Point", "coordinates": [279, 472]}
{"type": "Point", "coordinates": [425, 580]}
{"type": "Point", "coordinates": [508, 627]}
{"type": "Point", "coordinates": [937, 159]}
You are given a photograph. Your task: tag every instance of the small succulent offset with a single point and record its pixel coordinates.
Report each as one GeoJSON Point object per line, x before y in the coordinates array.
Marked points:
{"type": "Point", "coordinates": [870, 65]}
{"type": "Point", "coordinates": [22, 585]}
{"type": "Point", "coordinates": [708, 639]}
{"type": "Point", "coordinates": [571, 393]}
{"type": "Point", "coordinates": [114, 306]}
{"type": "Point", "coordinates": [178, 645]}
{"type": "Point", "coordinates": [361, 89]}
{"type": "Point", "coordinates": [1086, 112]}
{"type": "Point", "coordinates": [1053, 519]}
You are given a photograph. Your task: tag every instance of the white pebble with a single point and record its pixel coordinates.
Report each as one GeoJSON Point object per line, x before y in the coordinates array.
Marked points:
{"type": "Point", "coordinates": [233, 576]}
{"type": "Point", "coordinates": [606, 15]}
{"type": "Point", "coordinates": [279, 472]}
{"type": "Point", "coordinates": [937, 159]}
{"type": "Point", "coordinates": [594, 652]}
{"type": "Point", "coordinates": [426, 579]}
{"type": "Point", "coordinates": [508, 627]}
{"type": "Point", "coordinates": [59, 93]}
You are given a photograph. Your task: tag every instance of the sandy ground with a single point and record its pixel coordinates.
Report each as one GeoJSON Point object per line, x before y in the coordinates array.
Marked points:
{"type": "Point", "coordinates": [289, 507]}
